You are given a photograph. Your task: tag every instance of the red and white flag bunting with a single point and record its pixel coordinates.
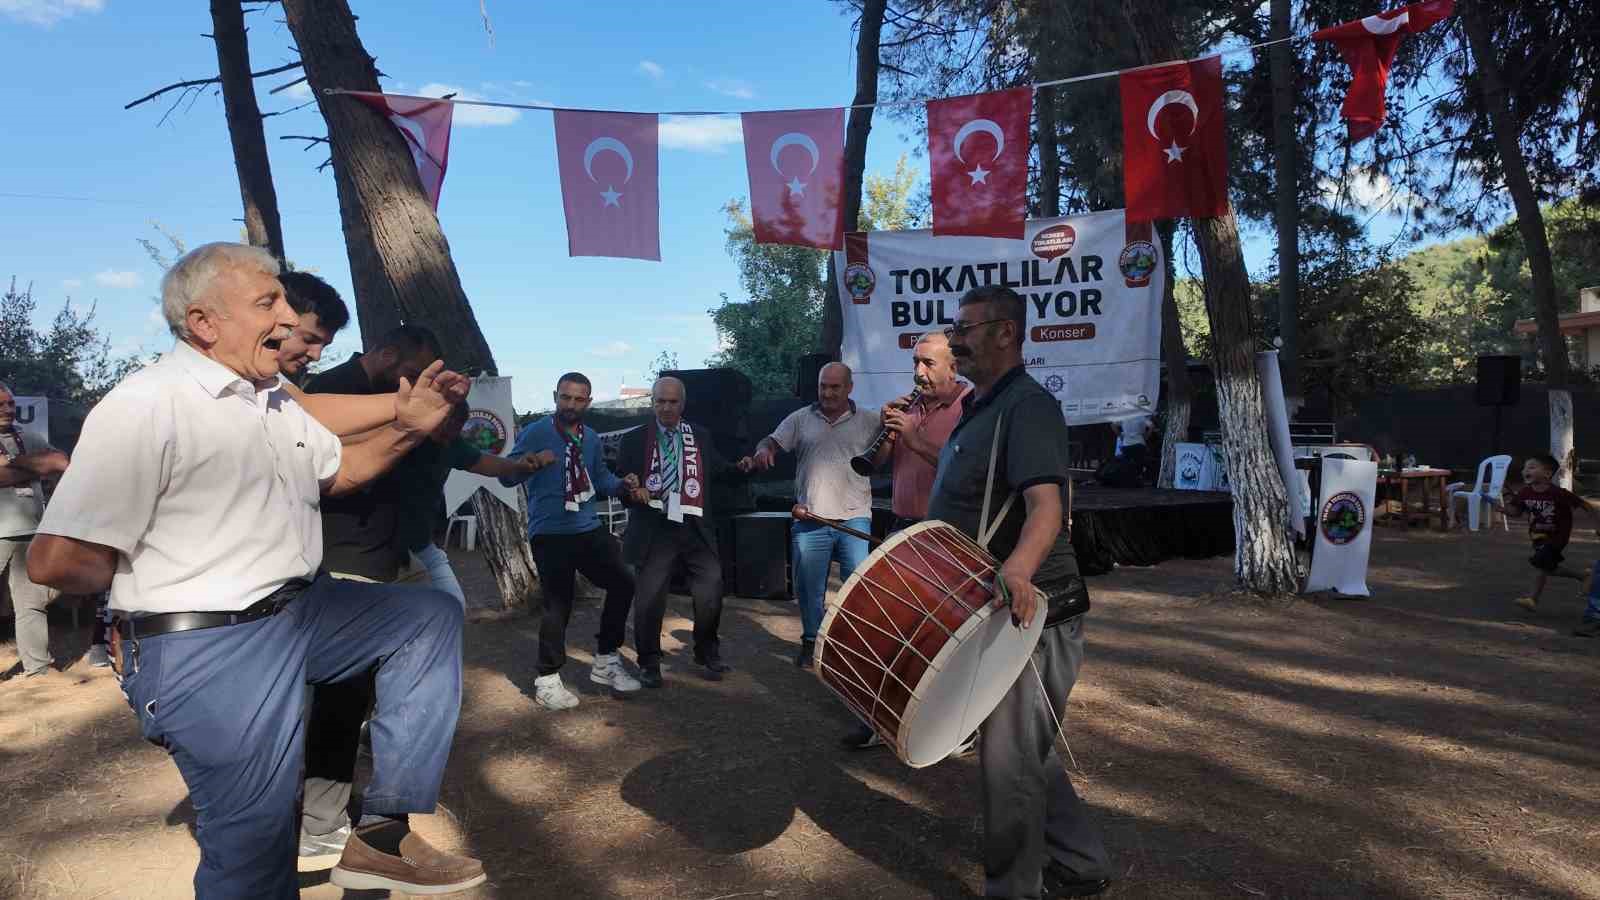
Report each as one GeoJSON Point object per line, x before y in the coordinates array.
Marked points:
{"type": "Point", "coordinates": [425, 125]}
{"type": "Point", "coordinates": [610, 183]}
{"type": "Point", "coordinates": [978, 154]}
{"type": "Point", "coordinates": [1368, 47]}
{"type": "Point", "coordinates": [795, 163]}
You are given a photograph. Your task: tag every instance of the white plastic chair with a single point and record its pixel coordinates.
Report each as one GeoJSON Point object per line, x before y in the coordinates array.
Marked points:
{"type": "Point", "coordinates": [1491, 481]}
{"type": "Point", "coordinates": [469, 531]}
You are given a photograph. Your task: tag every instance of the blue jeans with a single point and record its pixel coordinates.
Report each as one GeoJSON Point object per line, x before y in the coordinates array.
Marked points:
{"type": "Point", "coordinates": [227, 703]}
{"type": "Point", "coordinates": [815, 547]}
{"type": "Point", "coordinates": [1591, 613]}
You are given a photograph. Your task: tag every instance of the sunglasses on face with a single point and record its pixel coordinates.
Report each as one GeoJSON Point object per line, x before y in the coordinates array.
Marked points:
{"type": "Point", "coordinates": [960, 329]}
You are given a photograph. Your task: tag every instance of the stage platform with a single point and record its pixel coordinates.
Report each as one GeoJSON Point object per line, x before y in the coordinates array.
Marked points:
{"type": "Point", "coordinates": [1146, 526]}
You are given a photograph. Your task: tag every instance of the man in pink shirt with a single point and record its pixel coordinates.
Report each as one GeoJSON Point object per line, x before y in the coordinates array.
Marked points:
{"type": "Point", "coordinates": [917, 432]}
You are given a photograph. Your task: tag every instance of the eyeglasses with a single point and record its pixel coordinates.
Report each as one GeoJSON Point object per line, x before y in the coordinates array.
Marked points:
{"type": "Point", "coordinates": [960, 329]}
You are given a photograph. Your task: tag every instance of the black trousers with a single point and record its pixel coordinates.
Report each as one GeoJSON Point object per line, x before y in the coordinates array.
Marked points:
{"type": "Point", "coordinates": [674, 542]}
{"type": "Point", "coordinates": [559, 558]}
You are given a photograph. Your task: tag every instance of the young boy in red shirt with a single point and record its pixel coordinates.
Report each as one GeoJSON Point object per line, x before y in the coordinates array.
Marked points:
{"type": "Point", "coordinates": [1549, 510]}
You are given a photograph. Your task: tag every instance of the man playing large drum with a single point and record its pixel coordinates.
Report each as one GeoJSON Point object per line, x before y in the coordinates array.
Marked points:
{"type": "Point", "coordinates": [1037, 835]}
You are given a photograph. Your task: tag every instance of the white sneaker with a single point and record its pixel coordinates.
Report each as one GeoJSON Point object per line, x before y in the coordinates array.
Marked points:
{"type": "Point", "coordinates": [608, 670]}
{"type": "Point", "coordinates": [322, 851]}
{"type": "Point", "coordinates": [550, 693]}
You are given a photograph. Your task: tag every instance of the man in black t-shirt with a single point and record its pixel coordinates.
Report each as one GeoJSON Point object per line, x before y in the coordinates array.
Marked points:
{"type": "Point", "coordinates": [359, 538]}
{"type": "Point", "coordinates": [1036, 833]}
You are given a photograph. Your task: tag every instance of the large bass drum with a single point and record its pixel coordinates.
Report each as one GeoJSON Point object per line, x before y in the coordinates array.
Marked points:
{"type": "Point", "coordinates": [913, 646]}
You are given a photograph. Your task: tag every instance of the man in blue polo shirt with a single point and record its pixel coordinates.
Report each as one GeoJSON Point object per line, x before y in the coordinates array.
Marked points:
{"type": "Point", "coordinates": [566, 536]}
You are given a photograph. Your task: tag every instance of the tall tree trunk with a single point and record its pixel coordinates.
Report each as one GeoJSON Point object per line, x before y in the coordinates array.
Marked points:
{"type": "Point", "coordinates": [1530, 223]}
{"type": "Point", "coordinates": [1180, 392]}
{"type": "Point", "coordinates": [262, 227]}
{"type": "Point", "coordinates": [1049, 151]}
{"type": "Point", "coordinates": [399, 259]}
{"type": "Point", "coordinates": [1285, 169]}
{"type": "Point", "coordinates": [855, 162]}
{"type": "Point", "coordinates": [1264, 558]}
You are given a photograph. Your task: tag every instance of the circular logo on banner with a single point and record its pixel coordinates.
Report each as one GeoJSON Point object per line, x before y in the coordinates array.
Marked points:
{"type": "Point", "coordinates": [485, 432]}
{"type": "Point", "coordinates": [859, 281]}
{"type": "Point", "coordinates": [1137, 262]}
{"type": "Point", "coordinates": [1057, 240]}
{"type": "Point", "coordinates": [1343, 517]}
{"type": "Point", "coordinates": [653, 483]}
{"type": "Point", "coordinates": [1189, 465]}
{"type": "Point", "coordinates": [691, 489]}
{"type": "Point", "coordinates": [1055, 384]}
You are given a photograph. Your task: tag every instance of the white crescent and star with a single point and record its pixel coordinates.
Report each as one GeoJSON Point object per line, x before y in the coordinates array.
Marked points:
{"type": "Point", "coordinates": [979, 174]}
{"type": "Point", "coordinates": [1381, 25]}
{"type": "Point", "coordinates": [1170, 98]}
{"type": "Point", "coordinates": [610, 196]}
{"type": "Point", "coordinates": [803, 141]}
{"type": "Point", "coordinates": [418, 145]}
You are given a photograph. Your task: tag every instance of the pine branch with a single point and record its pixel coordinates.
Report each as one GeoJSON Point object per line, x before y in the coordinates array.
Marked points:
{"type": "Point", "coordinates": [201, 82]}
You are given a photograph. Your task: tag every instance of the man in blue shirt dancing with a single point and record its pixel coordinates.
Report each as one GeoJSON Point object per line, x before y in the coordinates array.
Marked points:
{"type": "Point", "coordinates": [566, 537]}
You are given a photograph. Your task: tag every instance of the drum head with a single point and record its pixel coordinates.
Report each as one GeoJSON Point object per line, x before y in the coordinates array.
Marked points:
{"type": "Point", "coordinates": [974, 674]}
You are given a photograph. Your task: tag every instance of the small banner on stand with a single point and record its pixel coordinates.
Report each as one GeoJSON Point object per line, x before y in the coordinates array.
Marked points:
{"type": "Point", "coordinates": [33, 419]}
{"type": "Point", "coordinates": [491, 428]}
{"type": "Point", "coordinates": [1193, 462]}
{"type": "Point", "coordinates": [1344, 527]}
{"type": "Point", "coordinates": [1277, 414]}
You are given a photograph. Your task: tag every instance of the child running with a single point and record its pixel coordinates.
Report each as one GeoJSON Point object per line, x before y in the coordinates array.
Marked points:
{"type": "Point", "coordinates": [1549, 510]}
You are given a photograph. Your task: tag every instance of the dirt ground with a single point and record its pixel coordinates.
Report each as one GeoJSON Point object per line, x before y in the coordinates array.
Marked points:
{"type": "Point", "coordinates": [1431, 742]}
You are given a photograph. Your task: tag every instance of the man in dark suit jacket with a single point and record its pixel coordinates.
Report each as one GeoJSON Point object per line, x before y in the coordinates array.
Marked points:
{"type": "Point", "coordinates": [669, 464]}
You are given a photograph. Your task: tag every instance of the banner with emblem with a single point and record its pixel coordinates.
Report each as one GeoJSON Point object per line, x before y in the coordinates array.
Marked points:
{"type": "Point", "coordinates": [1092, 285]}
{"type": "Point", "coordinates": [1344, 527]}
{"type": "Point", "coordinates": [491, 428]}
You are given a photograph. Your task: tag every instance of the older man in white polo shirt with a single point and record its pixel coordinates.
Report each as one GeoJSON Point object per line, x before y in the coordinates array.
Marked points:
{"type": "Point", "coordinates": [824, 436]}
{"type": "Point", "coordinates": [194, 496]}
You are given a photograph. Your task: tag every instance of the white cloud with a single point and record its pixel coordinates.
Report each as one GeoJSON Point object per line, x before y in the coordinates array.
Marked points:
{"type": "Point", "coordinates": [113, 279]}
{"type": "Point", "coordinates": [732, 87]}
{"type": "Point", "coordinates": [47, 12]}
{"type": "Point", "coordinates": [712, 134]}
{"type": "Point", "coordinates": [522, 84]}
{"type": "Point", "coordinates": [471, 116]}
{"type": "Point", "coordinates": [300, 90]}
{"type": "Point", "coordinates": [611, 350]}
{"type": "Point", "coordinates": [72, 284]}
{"type": "Point", "coordinates": [653, 69]}
{"type": "Point", "coordinates": [1368, 191]}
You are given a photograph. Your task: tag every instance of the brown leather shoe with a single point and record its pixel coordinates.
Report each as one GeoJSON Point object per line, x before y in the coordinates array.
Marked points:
{"type": "Point", "coordinates": [419, 869]}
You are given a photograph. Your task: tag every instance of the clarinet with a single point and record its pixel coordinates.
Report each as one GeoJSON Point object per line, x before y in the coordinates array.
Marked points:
{"type": "Point", "coordinates": [868, 460]}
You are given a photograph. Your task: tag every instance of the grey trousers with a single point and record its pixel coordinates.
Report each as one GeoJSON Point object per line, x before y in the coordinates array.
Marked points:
{"type": "Point", "coordinates": [30, 601]}
{"type": "Point", "coordinates": [1031, 815]}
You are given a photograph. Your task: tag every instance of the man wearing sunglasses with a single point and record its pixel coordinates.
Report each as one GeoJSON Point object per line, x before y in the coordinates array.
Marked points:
{"type": "Point", "coordinates": [1037, 835]}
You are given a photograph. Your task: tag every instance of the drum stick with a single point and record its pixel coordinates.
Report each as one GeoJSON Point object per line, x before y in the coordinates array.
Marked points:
{"type": "Point", "coordinates": [840, 526]}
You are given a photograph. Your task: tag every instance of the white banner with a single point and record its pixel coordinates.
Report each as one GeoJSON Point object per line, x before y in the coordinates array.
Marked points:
{"type": "Point", "coordinates": [33, 418]}
{"type": "Point", "coordinates": [1344, 527]}
{"type": "Point", "coordinates": [1200, 468]}
{"type": "Point", "coordinates": [1093, 287]}
{"type": "Point", "coordinates": [1277, 413]}
{"type": "Point", "coordinates": [491, 428]}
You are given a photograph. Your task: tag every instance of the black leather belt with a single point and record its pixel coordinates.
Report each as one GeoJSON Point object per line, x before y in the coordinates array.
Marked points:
{"type": "Point", "coordinates": [168, 623]}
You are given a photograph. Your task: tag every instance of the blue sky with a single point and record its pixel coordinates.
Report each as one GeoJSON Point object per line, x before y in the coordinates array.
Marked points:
{"type": "Point", "coordinates": [81, 179]}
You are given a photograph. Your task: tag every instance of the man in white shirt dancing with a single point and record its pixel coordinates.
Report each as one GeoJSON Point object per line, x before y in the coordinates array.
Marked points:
{"type": "Point", "coordinates": [194, 496]}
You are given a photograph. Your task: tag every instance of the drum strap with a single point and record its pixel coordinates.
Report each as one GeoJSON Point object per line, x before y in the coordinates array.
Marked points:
{"type": "Point", "coordinates": [986, 528]}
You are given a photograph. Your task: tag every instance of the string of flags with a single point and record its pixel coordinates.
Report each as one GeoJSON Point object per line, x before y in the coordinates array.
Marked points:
{"type": "Point", "coordinates": [1173, 132]}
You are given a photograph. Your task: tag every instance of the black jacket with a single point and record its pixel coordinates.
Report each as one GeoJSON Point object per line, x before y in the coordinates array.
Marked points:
{"type": "Point", "coordinates": [645, 522]}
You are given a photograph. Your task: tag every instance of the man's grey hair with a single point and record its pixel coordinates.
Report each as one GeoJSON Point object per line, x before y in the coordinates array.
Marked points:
{"type": "Point", "coordinates": [188, 282]}
{"type": "Point", "coordinates": [683, 390]}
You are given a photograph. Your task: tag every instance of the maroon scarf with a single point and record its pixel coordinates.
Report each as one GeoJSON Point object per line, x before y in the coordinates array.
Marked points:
{"type": "Point", "coordinates": [689, 496]}
{"type": "Point", "coordinates": [577, 488]}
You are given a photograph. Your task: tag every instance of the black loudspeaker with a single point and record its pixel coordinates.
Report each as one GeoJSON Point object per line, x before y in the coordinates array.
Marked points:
{"type": "Point", "coordinates": [805, 382]}
{"type": "Point", "coordinates": [1499, 380]}
{"type": "Point", "coordinates": [761, 551]}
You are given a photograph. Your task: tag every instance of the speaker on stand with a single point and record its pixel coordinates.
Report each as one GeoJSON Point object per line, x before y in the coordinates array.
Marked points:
{"type": "Point", "coordinates": [1499, 385]}
{"type": "Point", "coordinates": [805, 383]}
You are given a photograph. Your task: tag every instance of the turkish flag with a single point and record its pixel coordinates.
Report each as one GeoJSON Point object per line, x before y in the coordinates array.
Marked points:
{"type": "Point", "coordinates": [425, 124]}
{"type": "Point", "coordinates": [1174, 141]}
{"type": "Point", "coordinates": [1368, 47]}
{"type": "Point", "coordinates": [978, 153]}
{"type": "Point", "coordinates": [610, 183]}
{"type": "Point", "coordinates": [795, 162]}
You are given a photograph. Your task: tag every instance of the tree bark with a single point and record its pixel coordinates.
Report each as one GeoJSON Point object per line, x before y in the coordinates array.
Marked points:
{"type": "Point", "coordinates": [1530, 223]}
{"type": "Point", "coordinates": [1284, 152]}
{"type": "Point", "coordinates": [400, 262]}
{"type": "Point", "coordinates": [262, 226]}
{"type": "Point", "coordinates": [855, 162]}
{"type": "Point", "coordinates": [399, 259]}
{"type": "Point", "coordinates": [1264, 558]}
{"type": "Point", "coordinates": [1180, 392]}
{"type": "Point", "coordinates": [1049, 153]}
